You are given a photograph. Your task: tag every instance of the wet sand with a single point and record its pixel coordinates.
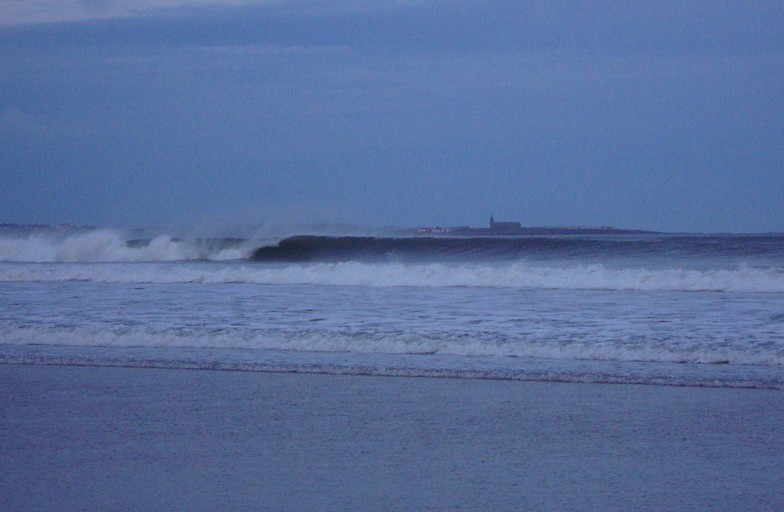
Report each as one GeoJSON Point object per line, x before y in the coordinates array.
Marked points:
{"type": "Point", "coordinates": [82, 438]}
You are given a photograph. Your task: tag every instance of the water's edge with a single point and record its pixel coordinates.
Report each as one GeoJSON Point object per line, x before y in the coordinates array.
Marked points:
{"type": "Point", "coordinates": [397, 365]}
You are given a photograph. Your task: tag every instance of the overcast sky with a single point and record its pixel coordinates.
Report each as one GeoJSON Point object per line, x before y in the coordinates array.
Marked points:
{"type": "Point", "coordinates": [652, 115]}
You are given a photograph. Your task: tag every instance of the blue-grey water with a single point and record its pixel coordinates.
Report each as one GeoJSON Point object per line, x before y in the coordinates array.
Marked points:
{"type": "Point", "coordinates": [704, 310]}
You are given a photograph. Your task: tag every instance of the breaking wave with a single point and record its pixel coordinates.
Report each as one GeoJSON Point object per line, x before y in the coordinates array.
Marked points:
{"type": "Point", "coordinates": [103, 245]}
{"type": "Point", "coordinates": [112, 246]}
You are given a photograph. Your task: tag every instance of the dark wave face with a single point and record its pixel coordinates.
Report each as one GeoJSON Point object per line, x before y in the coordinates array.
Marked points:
{"type": "Point", "coordinates": [319, 248]}
{"type": "Point", "coordinates": [456, 249]}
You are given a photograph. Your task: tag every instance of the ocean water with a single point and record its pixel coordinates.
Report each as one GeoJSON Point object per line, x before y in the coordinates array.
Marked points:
{"type": "Point", "coordinates": [658, 309]}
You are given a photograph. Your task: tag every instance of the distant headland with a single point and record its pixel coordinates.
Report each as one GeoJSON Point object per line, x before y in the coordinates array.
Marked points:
{"type": "Point", "coordinates": [496, 228]}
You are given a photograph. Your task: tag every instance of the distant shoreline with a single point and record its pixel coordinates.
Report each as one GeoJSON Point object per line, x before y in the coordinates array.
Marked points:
{"type": "Point", "coordinates": [338, 230]}
{"type": "Point", "coordinates": [533, 230]}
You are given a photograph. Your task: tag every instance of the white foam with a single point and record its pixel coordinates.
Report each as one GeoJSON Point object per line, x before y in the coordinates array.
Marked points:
{"type": "Point", "coordinates": [102, 245]}
{"type": "Point", "coordinates": [511, 275]}
{"type": "Point", "coordinates": [405, 343]}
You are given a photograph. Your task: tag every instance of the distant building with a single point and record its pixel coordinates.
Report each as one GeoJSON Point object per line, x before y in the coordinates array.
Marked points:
{"type": "Point", "coordinates": [504, 227]}
{"type": "Point", "coordinates": [435, 230]}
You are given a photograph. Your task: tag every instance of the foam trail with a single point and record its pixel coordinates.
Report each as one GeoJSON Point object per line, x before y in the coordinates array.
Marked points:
{"type": "Point", "coordinates": [380, 343]}
{"type": "Point", "coordinates": [508, 275]}
{"type": "Point", "coordinates": [398, 365]}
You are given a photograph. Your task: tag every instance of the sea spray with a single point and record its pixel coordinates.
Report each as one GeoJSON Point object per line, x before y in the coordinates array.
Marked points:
{"type": "Point", "coordinates": [104, 246]}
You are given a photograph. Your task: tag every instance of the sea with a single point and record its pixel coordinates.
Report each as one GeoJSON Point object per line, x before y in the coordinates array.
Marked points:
{"type": "Point", "coordinates": [644, 308]}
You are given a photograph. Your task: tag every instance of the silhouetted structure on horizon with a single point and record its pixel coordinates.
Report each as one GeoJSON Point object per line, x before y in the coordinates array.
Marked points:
{"type": "Point", "coordinates": [504, 227]}
{"type": "Point", "coordinates": [515, 228]}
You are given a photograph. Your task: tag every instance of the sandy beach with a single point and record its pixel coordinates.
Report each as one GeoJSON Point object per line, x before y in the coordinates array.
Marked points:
{"type": "Point", "coordinates": [83, 438]}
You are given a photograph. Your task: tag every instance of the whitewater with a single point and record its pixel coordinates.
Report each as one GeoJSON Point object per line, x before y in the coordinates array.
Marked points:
{"type": "Point", "coordinates": [658, 309]}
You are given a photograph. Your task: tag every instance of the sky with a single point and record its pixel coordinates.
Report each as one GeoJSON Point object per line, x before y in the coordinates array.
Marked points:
{"type": "Point", "coordinates": [647, 115]}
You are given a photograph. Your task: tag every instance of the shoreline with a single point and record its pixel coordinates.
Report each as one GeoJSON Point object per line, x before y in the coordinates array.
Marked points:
{"type": "Point", "coordinates": [136, 438]}
{"type": "Point", "coordinates": [351, 372]}
{"type": "Point", "coordinates": [413, 365]}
